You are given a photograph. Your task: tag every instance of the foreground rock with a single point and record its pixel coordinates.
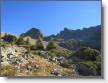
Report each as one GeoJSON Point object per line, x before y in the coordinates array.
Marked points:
{"type": "Point", "coordinates": [17, 62]}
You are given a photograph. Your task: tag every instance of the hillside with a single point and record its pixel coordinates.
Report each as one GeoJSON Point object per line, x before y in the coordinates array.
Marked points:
{"type": "Point", "coordinates": [17, 62]}
{"type": "Point", "coordinates": [69, 53]}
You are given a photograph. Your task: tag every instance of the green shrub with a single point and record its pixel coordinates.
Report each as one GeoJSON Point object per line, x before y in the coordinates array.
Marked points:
{"type": "Point", "coordinates": [27, 41]}
{"type": "Point", "coordinates": [10, 38]}
{"type": "Point", "coordinates": [33, 47]}
{"type": "Point", "coordinates": [20, 41]}
{"type": "Point", "coordinates": [4, 44]}
{"type": "Point", "coordinates": [51, 45]}
{"type": "Point", "coordinates": [87, 53]}
{"type": "Point", "coordinates": [92, 68]}
{"type": "Point", "coordinates": [39, 45]}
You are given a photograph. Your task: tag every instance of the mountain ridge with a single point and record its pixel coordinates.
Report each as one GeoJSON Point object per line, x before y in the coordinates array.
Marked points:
{"type": "Point", "coordinates": [72, 33]}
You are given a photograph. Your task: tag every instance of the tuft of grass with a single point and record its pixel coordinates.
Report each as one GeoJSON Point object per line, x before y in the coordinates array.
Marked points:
{"type": "Point", "coordinates": [4, 44]}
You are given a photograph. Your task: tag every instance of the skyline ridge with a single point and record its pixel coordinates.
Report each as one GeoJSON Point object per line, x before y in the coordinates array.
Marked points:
{"type": "Point", "coordinates": [34, 28]}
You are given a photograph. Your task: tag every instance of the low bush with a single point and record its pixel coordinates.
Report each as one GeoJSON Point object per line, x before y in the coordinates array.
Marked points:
{"type": "Point", "coordinates": [89, 68]}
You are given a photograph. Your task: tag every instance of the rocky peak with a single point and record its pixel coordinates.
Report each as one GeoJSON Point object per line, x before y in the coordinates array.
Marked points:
{"type": "Point", "coordinates": [34, 33]}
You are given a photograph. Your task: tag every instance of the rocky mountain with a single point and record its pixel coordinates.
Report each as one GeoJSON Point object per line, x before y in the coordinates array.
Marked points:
{"type": "Point", "coordinates": [90, 37]}
{"type": "Point", "coordinates": [85, 34]}
{"type": "Point", "coordinates": [34, 33]}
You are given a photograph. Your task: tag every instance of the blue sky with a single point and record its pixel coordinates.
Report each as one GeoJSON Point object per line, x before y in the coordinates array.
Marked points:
{"type": "Point", "coordinates": [49, 17]}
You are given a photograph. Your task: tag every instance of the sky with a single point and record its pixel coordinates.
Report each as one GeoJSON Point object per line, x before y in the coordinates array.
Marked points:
{"type": "Point", "coordinates": [50, 16]}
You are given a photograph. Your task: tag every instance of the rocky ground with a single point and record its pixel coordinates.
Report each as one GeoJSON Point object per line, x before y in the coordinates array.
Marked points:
{"type": "Point", "coordinates": [16, 61]}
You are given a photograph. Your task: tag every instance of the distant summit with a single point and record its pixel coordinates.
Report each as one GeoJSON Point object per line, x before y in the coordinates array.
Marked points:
{"type": "Point", "coordinates": [81, 34]}
{"type": "Point", "coordinates": [34, 33]}
{"type": "Point", "coordinates": [85, 34]}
